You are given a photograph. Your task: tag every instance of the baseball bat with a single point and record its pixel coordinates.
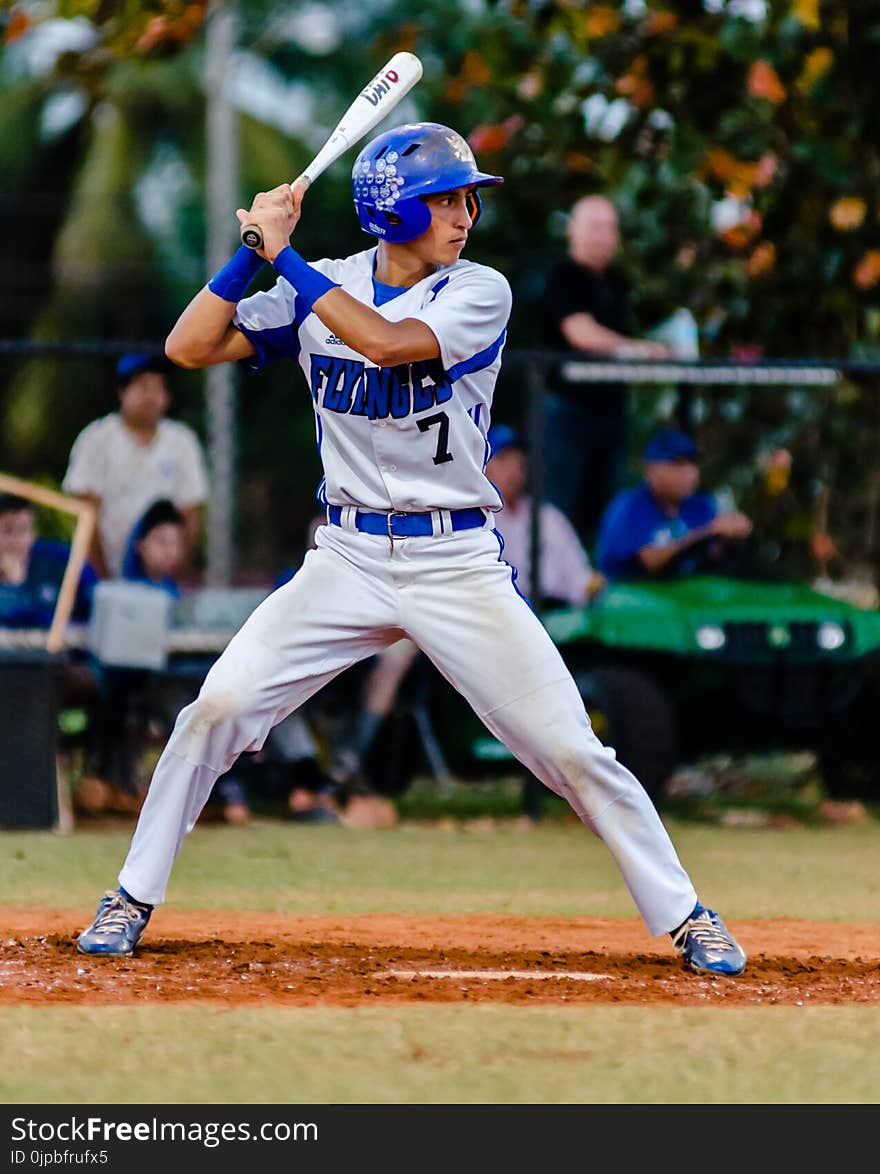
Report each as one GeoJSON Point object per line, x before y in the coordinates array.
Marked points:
{"type": "Point", "coordinates": [377, 99]}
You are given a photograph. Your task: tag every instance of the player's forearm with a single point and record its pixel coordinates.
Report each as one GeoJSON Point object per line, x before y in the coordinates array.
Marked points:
{"type": "Point", "coordinates": [204, 334]}
{"type": "Point", "coordinates": [382, 342]}
{"type": "Point", "coordinates": [359, 326]}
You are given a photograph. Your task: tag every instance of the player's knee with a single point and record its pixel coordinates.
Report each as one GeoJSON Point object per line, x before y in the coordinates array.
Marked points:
{"type": "Point", "coordinates": [579, 760]}
{"type": "Point", "coordinates": [214, 707]}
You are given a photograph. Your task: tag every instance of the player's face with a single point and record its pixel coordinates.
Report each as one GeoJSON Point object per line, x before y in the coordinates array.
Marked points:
{"type": "Point", "coordinates": [445, 237]}
{"type": "Point", "coordinates": [17, 534]}
{"type": "Point", "coordinates": [162, 551]}
{"type": "Point", "coordinates": [144, 401]}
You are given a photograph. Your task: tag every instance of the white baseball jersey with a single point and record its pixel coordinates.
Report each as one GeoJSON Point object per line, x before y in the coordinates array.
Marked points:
{"type": "Point", "coordinates": [408, 438]}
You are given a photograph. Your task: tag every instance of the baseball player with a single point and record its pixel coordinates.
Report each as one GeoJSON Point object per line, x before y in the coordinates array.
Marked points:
{"type": "Point", "coordinates": [400, 346]}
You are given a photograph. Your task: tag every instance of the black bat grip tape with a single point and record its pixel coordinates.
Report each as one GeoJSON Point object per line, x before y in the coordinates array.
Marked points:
{"type": "Point", "coordinates": [251, 236]}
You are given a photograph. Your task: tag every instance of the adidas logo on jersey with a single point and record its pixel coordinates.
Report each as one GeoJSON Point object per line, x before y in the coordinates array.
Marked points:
{"type": "Point", "coordinates": [332, 340]}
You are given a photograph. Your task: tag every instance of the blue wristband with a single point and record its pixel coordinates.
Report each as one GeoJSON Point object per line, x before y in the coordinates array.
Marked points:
{"type": "Point", "coordinates": [308, 282]}
{"type": "Point", "coordinates": [232, 280]}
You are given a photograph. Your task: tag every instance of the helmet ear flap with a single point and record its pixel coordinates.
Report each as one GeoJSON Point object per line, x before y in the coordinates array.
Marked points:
{"type": "Point", "coordinates": [474, 205]}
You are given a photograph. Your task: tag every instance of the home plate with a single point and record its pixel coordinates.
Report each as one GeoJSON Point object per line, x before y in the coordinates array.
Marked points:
{"type": "Point", "coordinates": [498, 975]}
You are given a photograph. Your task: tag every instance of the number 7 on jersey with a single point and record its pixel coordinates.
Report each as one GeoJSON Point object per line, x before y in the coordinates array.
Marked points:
{"type": "Point", "coordinates": [442, 455]}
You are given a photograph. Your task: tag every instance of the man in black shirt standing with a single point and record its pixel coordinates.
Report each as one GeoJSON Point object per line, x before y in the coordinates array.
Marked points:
{"type": "Point", "coordinates": [586, 311]}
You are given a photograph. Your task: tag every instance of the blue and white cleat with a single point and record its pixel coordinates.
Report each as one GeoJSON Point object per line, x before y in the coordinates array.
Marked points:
{"type": "Point", "coordinates": [707, 946]}
{"type": "Point", "coordinates": [117, 928]}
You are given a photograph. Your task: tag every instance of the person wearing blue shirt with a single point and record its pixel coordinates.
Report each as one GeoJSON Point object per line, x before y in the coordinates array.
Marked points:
{"type": "Point", "coordinates": [31, 573]}
{"type": "Point", "coordinates": [665, 527]}
{"type": "Point", "coordinates": [156, 550]}
{"type": "Point", "coordinates": [32, 569]}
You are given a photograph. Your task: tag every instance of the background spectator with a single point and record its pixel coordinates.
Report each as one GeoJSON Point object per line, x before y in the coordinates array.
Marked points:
{"type": "Point", "coordinates": [31, 572]}
{"type": "Point", "coordinates": [32, 568]}
{"type": "Point", "coordinates": [566, 575]}
{"type": "Point", "coordinates": [586, 311]}
{"type": "Point", "coordinates": [130, 458]}
{"type": "Point", "coordinates": [156, 550]}
{"type": "Point", "coordinates": [664, 526]}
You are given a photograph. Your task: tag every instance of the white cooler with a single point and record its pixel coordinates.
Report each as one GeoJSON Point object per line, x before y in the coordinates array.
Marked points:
{"type": "Point", "coordinates": [129, 625]}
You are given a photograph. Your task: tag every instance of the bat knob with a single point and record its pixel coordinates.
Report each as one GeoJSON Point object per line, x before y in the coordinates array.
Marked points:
{"type": "Point", "coordinates": [251, 236]}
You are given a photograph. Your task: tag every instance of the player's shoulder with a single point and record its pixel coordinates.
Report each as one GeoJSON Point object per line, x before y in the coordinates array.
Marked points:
{"type": "Point", "coordinates": [472, 277]}
{"type": "Point", "coordinates": [342, 269]}
{"type": "Point", "coordinates": [464, 270]}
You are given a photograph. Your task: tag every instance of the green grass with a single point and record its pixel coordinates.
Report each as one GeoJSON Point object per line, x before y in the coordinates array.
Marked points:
{"type": "Point", "coordinates": [552, 870]}
{"type": "Point", "coordinates": [440, 1055]}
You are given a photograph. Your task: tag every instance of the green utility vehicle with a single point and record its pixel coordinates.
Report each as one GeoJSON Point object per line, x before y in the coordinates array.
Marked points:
{"type": "Point", "coordinates": [676, 669]}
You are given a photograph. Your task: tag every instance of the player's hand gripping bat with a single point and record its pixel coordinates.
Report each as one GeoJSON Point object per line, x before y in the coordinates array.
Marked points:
{"type": "Point", "coordinates": [377, 99]}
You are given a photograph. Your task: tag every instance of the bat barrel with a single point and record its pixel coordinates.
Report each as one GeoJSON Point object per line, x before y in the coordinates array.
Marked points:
{"type": "Point", "coordinates": [376, 100]}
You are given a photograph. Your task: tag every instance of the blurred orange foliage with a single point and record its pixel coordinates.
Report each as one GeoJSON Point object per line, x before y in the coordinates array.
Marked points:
{"type": "Point", "coordinates": [764, 82]}
{"type": "Point", "coordinates": [867, 273]}
{"type": "Point", "coordinates": [172, 29]}
{"type": "Point", "coordinates": [636, 85]}
{"type": "Point", "coordinates": [660, 22]}
{"type": "Point", "coordinates": [741, 235]}
{"type": "Point", "coordinates": [474, 71]}
{"type": "Point", "coordinates": [847, 213]}
{"type": "Point", "coordinates": [806, 12]}
{"type": "Point", "coordinates": [738, 176]}
{"type": "Point", "coordinates": [762, 259]}
{"type": "Point", "coordinates": [17, 25]}
{"type": "Point", "coordinates": [488, 137]}
{"type": "Point", "coordinates": [600, 20]}
{"type": "Point", "coordinates": [816, 65]}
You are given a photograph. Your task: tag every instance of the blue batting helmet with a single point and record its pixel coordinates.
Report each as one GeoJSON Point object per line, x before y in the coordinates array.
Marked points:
{"type": "Point", "coordinates": [395, 170]}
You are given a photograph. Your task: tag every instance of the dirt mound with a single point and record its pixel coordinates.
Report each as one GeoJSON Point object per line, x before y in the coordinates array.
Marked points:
{"type": "Point", "coordinates": [263, 959]}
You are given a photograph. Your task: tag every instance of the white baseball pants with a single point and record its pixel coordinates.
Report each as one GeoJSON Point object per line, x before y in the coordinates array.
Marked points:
{"type": "Point", "coordinates": [454, 597]}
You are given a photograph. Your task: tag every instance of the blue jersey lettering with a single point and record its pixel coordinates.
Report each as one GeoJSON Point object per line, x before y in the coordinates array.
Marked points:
{"type": "Point", "coordinates": [347, 386]}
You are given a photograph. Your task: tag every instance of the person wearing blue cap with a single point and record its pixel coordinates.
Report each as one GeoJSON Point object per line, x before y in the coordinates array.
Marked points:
{"type": "Point", "coordinates": [128, 459]}
{"type": "Point", "coordinates": [665, 526]}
